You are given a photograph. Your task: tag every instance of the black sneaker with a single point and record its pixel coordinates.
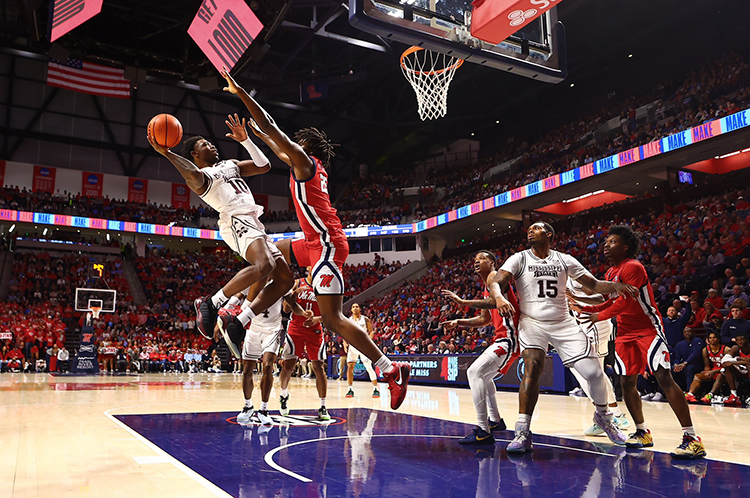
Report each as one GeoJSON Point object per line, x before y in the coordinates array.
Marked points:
{"type": "Point", "coordinates": [205, 316]}
{"type": "Point", "coordinates": [233, 332]}
{"type": "Point", "coordinates": [323, 414]}
{"type": "Point", "coordinates": [497, 426]}
{"type": "Point", "coordinates": [284, 410]}
{"type": "Point", "coordinates": [478, 436]}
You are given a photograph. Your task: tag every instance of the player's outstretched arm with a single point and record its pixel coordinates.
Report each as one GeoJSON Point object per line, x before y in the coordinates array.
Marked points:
{"type": "Point", "coordinates": [605, 287]}
{"type": "Point", "coordinates": [480, 320]}
{"type": "Point", "coordinates": [300, 162]}
{"type": "Point", "coordinates": [259, 164]}
{"type": "Point", "coordinates": [485, 304]}
{"type": "Point", "coordinates": [190, 172]}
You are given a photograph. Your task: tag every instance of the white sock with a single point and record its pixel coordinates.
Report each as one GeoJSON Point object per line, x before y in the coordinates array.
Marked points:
{"type": "Point", "coordinates": [234, 300]}
{"type": "Point", "coordinates": [246, 316]}
{"type": "Point", "coordinates": [263, 405]}
{"type": "Point", "coordinates": [733, 392]}
{"type": "Point", "coordinates": [524, 421]}
{"type": "Point", "coordinates": [219, 299]}
{"type": "Point", "coordinates": [384, 364]}
{"type": "Point", "coordinates": [603, 410]}
{"type": "Point", "coordinates": [642, 426]}
{"type": "Point", "coordinates": [249, 403]}
{"type": "Point", "coordinates": [285, 392]}
{"type": "Point", "coordinates": [690, 431]}
{"type": "Point", "coordinates": [246, 304]}
{"type": "Point", "coordinates": [322, 402]}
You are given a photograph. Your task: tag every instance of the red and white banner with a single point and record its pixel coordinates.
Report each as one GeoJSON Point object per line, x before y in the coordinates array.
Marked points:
{"type": "Point", "coordinates": [224, 29]}
{"type": "Point", "coordinates": [93, 184]}
{"type": "Point", "coordinates": [44, 179]}
{"type": "Point", "coordinates": [137, 190]}
{"type": "Point", "coordinates": [69, 14]}
{"type": "Point", "coordinates": [6, 336]}
{"type": "Point", "coordinates": [2, 173]}
{"type": "Point", "coordinates": [495, 20]}
{"type": "Point", "coordinates": [180, 196]}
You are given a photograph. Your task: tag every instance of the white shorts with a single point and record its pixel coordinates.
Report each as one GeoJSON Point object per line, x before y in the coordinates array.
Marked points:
{"type": "Point", "coordinates": [260, 341]}
{"type": "Point", "coordinates": [244, 229]}
{"type": "Point", "coordinates": [600, 334]}
{"type": "Point", "coordinates": [566, 336]}
{"type": "Point", "coordinates": [353, 354]}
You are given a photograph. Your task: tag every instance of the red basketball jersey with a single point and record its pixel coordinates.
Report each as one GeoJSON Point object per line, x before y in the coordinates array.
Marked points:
{"type": "Point", "coordinates": [635, 317]}
{"type": "Point", "coordinates": [305, 296]}
{"type": "Point", "coordinates": [316, 215]}
{"type": "Point", "coordinates": [715, 358]}
{"type": "Point", "coordinates": [500, 323]}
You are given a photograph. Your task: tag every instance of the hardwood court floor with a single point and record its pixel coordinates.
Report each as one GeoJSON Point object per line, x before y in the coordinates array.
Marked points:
{"type": "Point", "coordinates": [59, 436]}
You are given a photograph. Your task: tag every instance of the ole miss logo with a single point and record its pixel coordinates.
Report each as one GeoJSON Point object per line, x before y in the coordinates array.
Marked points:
{"type": "Point", "coordinates": [326, 280]}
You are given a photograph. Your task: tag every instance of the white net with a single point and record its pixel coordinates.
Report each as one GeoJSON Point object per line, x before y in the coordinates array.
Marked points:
{"type": "Point", "coordinates": [430, 75]}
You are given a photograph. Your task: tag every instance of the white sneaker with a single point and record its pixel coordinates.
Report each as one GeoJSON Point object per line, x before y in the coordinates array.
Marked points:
{"type": "Point", "coordinates": [264, 417]}
{"type": "Point", "coordinates": [621, 421]}
{"type": "Point", "coordinates": [657, 397]}
{"type": "Point", "coordinates": [647, 397]}
{"type": "Point", "coordinates": [577, 392]}
{"type": "Point", "coordinates": [244, 416]}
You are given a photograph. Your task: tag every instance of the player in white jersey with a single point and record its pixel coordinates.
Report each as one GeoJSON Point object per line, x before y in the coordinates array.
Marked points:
{"type": "Point", "coordinates": [358, 453]}
{"type": "Point", "coordinates": [540, 276]}
{"type": "Point", "coordinates": [600, 333]}
{"type": "Point", "coordinates": [352, 354]}
{"type": "Point", "coordinates": [264, 338]}
{"type": "Point", "coordinates": [221, 185]}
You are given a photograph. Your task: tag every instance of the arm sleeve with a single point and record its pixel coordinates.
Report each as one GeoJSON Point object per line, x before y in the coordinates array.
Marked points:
{"type": "Point", "coordinates": [258, 157]}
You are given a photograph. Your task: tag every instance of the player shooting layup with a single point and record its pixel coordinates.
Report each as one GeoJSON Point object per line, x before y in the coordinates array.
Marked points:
{"type": "Point", "coordinates": [495, 360]}
{"type": "Point", "coordinates": [540, 275]}
{"type": "Point", "coordinates": [325, 247]}
{"type": "Point", "coordinates": [221, 185]}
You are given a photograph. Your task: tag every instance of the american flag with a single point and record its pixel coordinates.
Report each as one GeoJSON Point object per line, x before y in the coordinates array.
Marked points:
{"type": "Point", "coordinates": [88, 78]}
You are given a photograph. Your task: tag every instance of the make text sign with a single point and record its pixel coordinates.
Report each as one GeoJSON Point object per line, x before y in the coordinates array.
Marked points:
{"type": "Point", "coordinates": [224, 29]}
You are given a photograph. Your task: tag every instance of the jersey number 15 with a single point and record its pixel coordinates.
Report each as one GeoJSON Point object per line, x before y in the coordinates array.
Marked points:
{"type": "Point", "coordinates": [547, 288]}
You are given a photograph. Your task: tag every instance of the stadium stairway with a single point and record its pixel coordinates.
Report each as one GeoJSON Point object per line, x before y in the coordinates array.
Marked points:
{"type": "Point", "coordinates": [136, 287]}
{"type": "Point", "coordinates": [6, 272]}
{"type": "Point", "coordinates": [412, 271]}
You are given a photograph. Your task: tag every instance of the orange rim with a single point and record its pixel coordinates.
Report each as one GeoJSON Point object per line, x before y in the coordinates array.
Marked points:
{"type": "Point", "coordinates": [414, 49]}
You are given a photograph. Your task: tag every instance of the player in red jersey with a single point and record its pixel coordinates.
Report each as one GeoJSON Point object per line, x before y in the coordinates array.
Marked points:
{"type": "Point", "coordinates": [713, 355]}
{"type": "Point", "coordinates": [736, 364]}
{"type": "Point", "coordinates": [640, 342]}
{"type": "Point", "coordinates": [305, 334]}
{"type": "Point", "coordinates": [325, 247]}
{"type": "Point", "coordinates": [496, 359]}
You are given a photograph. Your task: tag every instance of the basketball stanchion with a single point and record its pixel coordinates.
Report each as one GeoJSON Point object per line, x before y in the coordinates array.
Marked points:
{"type": "Point", "coordinates": [430, 75]}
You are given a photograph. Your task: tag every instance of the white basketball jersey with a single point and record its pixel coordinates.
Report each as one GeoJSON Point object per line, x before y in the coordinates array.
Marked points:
{"type": "Point", "coordinates": [269, 320]}
{"type": "Point", "coordinates": [540, 283]}
{"type": "Point", "coordinates": [227, 191]}
{"type": "Point", "coordinates": [360, 321]}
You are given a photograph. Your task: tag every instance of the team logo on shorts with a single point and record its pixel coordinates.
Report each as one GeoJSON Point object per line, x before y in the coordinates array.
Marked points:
{"type": "Point", "coordinates": [326, 280]}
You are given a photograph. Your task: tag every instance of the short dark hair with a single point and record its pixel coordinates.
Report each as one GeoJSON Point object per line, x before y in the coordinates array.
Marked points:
{"type": "Point", "coordinates": [318, 144]}
{"type": "Point", "coordinates": [713, 332]}
{"type": "Point", "coordinates": [628, 236]}
{"type": "Point", "coordinates": [188, 146]}
{"type": "Point", "coordinates": [547, 228]}
{"type": "Point", "coordinates": [489, 255]}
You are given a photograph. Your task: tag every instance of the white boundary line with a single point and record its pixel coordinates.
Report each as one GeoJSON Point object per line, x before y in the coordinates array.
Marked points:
{"type": "Point", "coordinates": [210, 487]}
{"type": "Point", "coordinates": [270, 454]}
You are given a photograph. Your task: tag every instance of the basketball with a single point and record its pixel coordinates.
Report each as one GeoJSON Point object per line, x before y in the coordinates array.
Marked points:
{"type": "Point", "coordinates": [166, 130]}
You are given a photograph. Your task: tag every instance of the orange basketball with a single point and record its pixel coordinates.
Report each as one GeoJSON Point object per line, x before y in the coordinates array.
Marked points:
{"type": "Point", "coordinates": [165, 129]}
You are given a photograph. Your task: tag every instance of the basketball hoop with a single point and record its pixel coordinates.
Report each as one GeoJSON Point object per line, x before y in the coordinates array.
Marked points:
{"type": "Point", "coordinates": [430, 75]}
{"type": "Point", "coordinates": [95, 311]}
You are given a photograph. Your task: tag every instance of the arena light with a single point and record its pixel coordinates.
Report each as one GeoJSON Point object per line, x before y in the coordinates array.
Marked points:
{"type": "Point", "coordinates": [584, 196]}
{"type": "Point", "coordinates": [729, 155]}
{"type": "Point", "coordinates": [12, 227]}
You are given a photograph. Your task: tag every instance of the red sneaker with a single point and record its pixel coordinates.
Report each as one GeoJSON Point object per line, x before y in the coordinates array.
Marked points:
{"type": "Point", "coordinates": [690, 398]}
{"type": "Point", "coordinates": [398, 380]}
{"type": "Point", "coordinates": [230, 309]}
{"type": "Point", "coordinates": [732, 400]}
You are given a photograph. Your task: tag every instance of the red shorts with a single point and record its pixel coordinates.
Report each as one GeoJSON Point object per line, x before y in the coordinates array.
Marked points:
{"type": "Point", "coordinates": [644, 353]}
{"type": "Point", "coordinates": [297, 342]}
{"type": "Point", "coordinates": [326, 262]}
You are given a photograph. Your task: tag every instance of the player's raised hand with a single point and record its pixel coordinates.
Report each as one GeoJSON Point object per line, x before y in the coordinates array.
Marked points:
{"type": "Point", "coordinates": [626, 290]}
{"type": "Point", "coordinates": [504, 307]}
{"type": "Point", "coordinates": [452, 296]}
{"type": "Point", "coordinates": [449, 324]}
{"type": "Point", "coordinates": [237, 128]}
{"type": "Point", "coordinates": [158, 148]}
{"type": "Point", "coordinates": [232, 86]}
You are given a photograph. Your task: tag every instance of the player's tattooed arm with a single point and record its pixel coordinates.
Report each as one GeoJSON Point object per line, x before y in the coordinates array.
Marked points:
{"type": "Point", "coordinates": [605, 287]}
{"type": "Point", "coordinates": [498, 282]}
{"type": "Point", "coordinates": [192, 174]}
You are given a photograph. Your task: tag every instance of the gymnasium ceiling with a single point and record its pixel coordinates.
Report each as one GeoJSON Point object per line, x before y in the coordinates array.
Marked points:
{"type": "Point", "coordinates": [370, 109]}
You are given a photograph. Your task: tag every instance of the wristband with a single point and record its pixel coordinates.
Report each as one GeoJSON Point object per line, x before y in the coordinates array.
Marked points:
{"type": "Point", "coordinates": [256, 154]}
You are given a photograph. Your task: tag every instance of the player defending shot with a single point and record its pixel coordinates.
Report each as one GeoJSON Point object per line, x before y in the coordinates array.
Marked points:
{"type": "Point", "coordinates": [540, 276]}
{"type": "Point", "coordinates": [352, 355]}
{"type": "Point", "coordinates": [264, 339]}
{"type": "Point", "coordinates": [325, 246]}
{"type": "Point", "coordinates": [495, 360]}
{"type": "Point", "coordinates": [640, 342]}
{"type": "Point", "coordinates": [304, 333]}
{"type": "Point", "coordinates": [221, 185]}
